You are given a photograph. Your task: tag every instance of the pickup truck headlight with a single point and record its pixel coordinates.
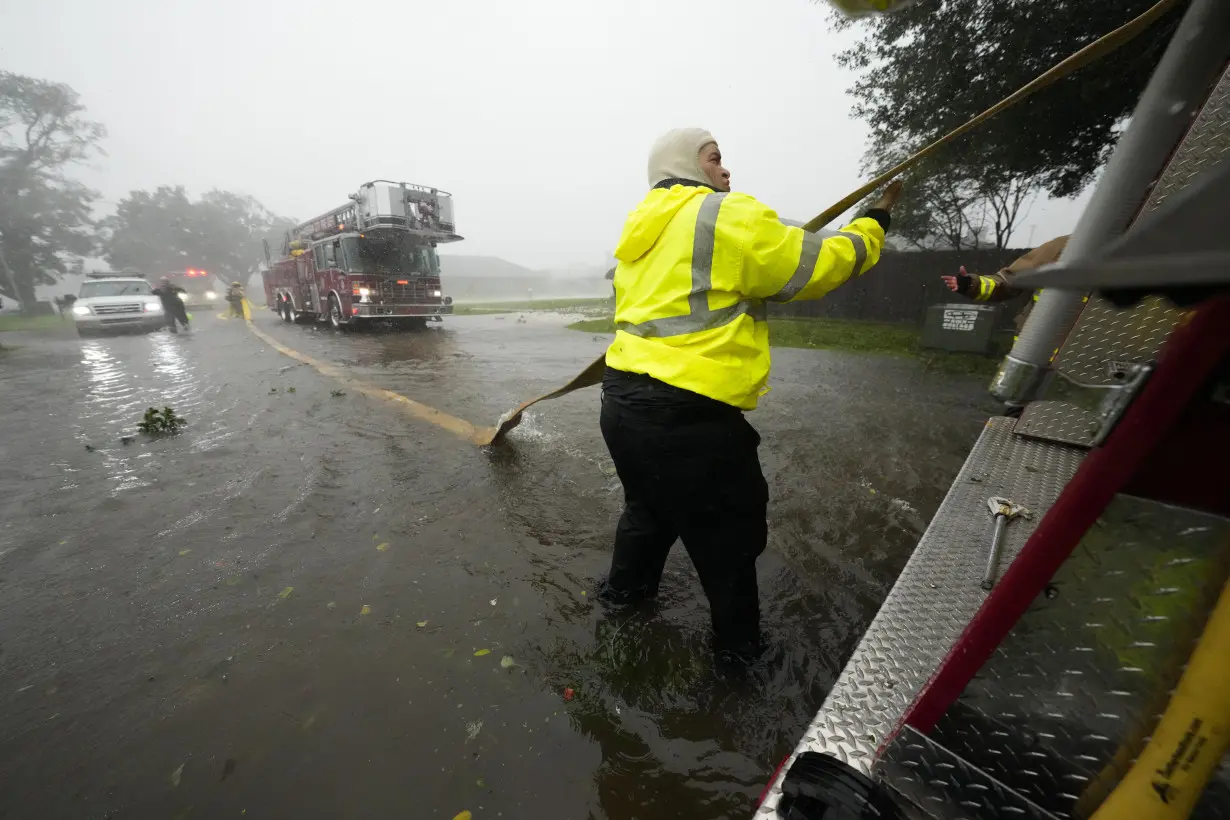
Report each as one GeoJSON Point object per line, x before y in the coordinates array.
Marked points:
{"type": "Point", "coordinates": [81, 310]}
{"type": "Point", "coordinates": [153, 307]}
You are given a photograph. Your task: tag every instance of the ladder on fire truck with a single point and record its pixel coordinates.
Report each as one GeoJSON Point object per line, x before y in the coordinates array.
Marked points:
{"type": "Point", "coordinates": [385, 205]}
{"type": "Point", "coordinates": [1037, 699]}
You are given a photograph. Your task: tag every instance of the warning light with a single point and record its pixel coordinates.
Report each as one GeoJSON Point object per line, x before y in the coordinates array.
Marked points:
{"type": "Point", "coordinates": [403, 281]}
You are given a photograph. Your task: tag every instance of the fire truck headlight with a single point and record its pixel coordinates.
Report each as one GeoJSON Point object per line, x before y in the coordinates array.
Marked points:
{"type": "Point", "coordinates": [209, 294]}
{"type": "Point", "coordinates": [437, 293]}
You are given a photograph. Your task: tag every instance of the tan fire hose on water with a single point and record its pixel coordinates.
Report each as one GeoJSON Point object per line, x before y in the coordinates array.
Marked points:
{"type": "Point", "coordinates": [1106, 44]}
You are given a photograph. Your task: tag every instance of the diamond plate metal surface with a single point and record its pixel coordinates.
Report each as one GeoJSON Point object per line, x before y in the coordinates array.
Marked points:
{"type": "Point", "coordinates": [1068, 700]}
{"type": "Point", "coordinates": [936, 594]}
{"type": "Point", "coordinates": [1059, 422]}
{"type": "Point", "coordinates": [1104, 333]}
{"type": "Point", "coordinates": [945, 786]}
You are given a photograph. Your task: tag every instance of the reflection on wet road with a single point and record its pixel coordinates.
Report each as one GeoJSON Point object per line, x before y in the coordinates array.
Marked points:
{"type": "Point", "coordinates": [307, 605]}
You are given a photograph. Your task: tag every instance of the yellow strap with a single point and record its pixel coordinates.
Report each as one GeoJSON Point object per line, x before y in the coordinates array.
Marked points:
{"type": "Point", "coordinates": [1099, 48]}
{"type": "Point", "coordinates": [1188, 743]}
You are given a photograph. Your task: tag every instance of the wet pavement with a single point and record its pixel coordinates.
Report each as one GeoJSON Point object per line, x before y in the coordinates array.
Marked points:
{"type": "Point", "coordinates": [309, 605]}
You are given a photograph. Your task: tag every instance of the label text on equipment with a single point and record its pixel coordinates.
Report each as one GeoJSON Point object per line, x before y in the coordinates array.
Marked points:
{"type": "Point", "coordinates": [959, 319]}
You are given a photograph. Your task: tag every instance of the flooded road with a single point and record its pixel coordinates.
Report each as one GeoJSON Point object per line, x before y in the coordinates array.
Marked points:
{"type": "Point", "coordinates": [308, 605]}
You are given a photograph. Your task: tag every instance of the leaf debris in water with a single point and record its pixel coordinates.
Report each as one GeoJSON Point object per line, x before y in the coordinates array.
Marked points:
{"type": "Point", "coordinates": [421, 624]}
{"type": "Point", "coordinates": [331, 605]}
{"type": "Point", "coordinates": [482, 652]}
{"type": "Point", "coordinates": [284, 594]}
{"type": "Point", "coordinates": [177, 775]}
{"type": "Point", "coordinates": [465, 815]}
{"type": "Point", "coordinates": [366, 610]}
{"type": "Point", "coordinates": [184, 552]}
{"type": "Point", "coordinates": [507, 662]}
{"type": "Point", "coordinates": [383, 547]}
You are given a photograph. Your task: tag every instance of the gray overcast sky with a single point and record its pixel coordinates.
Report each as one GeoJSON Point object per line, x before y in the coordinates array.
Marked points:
{"type": "Point", "coordinates": [537, 115]}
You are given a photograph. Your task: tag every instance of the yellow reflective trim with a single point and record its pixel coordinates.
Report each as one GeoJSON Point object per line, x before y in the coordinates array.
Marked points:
{"type": "Point", "coordinates": [986, 287]}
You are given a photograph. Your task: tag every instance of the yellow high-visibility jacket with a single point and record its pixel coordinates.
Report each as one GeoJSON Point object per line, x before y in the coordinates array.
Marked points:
{"type": "Point", "coordinates": [695, 269]}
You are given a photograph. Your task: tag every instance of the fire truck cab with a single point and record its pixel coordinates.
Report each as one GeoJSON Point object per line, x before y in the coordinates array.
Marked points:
{"type": "Point", "coordinates": [373, 259]}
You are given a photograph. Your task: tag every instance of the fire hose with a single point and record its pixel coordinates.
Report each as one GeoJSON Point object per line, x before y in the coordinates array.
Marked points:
{"type": "Point", "coordinates": [592, 374]}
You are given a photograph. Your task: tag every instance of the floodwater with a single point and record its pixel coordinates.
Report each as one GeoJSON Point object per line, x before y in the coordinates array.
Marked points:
{"type": "Point", "coordinates": [310, 605]}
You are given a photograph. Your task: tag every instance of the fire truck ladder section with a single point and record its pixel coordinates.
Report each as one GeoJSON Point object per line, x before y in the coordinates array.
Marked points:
{"type": "Point", "coordinates": [1034, 698]}
{"type": "Point", "coordinates": [386, 205]}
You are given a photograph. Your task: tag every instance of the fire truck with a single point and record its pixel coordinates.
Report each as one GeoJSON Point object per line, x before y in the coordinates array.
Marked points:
{"type": "Point", "coordinates": [373, 259]}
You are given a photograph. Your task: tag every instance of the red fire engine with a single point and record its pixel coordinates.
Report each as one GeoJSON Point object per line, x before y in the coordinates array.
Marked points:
{"type": "Point", "coordinates": [372, 259]}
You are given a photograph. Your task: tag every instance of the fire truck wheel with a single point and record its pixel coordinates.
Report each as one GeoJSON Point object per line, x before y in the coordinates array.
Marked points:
{"type": "Point", "coordinates": [335, 313]}
{"type": "Point", "coordinates": [284, 309]}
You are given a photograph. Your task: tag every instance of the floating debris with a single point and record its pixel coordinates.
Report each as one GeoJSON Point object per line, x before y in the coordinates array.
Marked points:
{"type": "Point", "coordinates": [465, 815]}
{"type": "Point", "coordinates": [421, 624]}
{"type": "Point", "coordinates": [495, 601]}
{"type": "Point", "coordinates": [155, 421]}
{"type": "Point", "coordinates": [383, 546]}
{"type": "Point", "coordinates": [366, 610]}
{"type": "Point", "coordinates": [184, 552]}
{"type": "Point", "coordinates": [177, 775]}
{"type": "Point", "coordinates": [331, 605]}
{"type": "Point", "coordinates": [482, 652]}
{"type": "Point", "coordinates": [472, 730]}
{"type": "Point", "coordinates": [284, 594]}
{"type": "Point", "coordinates": [507, 662]}
{"type": "Point", "coordinates": [568, 693]}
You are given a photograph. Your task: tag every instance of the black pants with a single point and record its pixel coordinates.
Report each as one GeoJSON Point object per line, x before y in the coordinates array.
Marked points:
{"type": "Point", "coordinates": [690, 471]}
{"type": "Point", "coordinates": [175, 310]}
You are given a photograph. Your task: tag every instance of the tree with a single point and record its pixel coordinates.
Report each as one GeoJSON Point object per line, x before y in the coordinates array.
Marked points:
{"type": "Point", "coordinates": [44, 216]}
{"type": "Point", "coordinates": [165, 231]}
{"type": "Point", "coordinates": [929, 68]}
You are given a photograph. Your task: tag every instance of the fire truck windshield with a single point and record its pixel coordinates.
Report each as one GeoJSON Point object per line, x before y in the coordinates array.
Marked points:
{"type": "Point", "coordinates": [397, 253]}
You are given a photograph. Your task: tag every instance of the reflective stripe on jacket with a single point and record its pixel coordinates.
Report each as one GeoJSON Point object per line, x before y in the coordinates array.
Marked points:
{"type": "Point", "coordinates": [695, 269]}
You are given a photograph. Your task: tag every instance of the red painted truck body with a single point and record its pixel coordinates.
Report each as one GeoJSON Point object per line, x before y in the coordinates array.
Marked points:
{"type": "Point", "coordinates": [372, 260]}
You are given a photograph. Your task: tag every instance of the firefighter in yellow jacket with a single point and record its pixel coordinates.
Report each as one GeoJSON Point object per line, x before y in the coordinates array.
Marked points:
{"type": "Point", "coordinates": [696, 266]}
